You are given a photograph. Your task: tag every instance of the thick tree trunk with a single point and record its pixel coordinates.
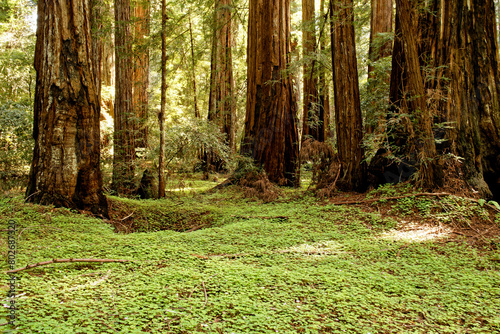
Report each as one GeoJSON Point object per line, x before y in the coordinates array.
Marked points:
{"type": "Point", "coordinates": [271, 136]}
{"type": "Point", "coordinates": [349, 123]}
{"type": "Point", "coordinates": [65, 168]}
{"type": "Point", "coordinates": [381, 23]}
{"type": "Point", "coordinates": [124, 120]}
{"type": "Point", "coordinates": [462, 48]}
{"type": "Point", "coordinates": [221, 101]}
{"type": "Point", "coordinates": [161, 158]}
{"type": "Point", "coordinates": [414, 99]}
{"type": "Point", "coordinates": [141, 72]}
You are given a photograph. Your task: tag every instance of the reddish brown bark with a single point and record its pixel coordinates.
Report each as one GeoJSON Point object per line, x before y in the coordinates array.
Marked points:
{"type": "Point", "coordinates": [125, 119]}
{"type": "Point", "coordinates": [311, 122]}
{"type": "Point", "coordinates": [221, 101]}
{"type": "Point", "coordinates": [465, 86]}
{"type": "Point", "coordinates": [381, 23]}
{"type": "Point", "coordinates": [141, 71]}
{"type": "Point", "coordinates": [349, 124]}
{"type": "Point", "coordinates": [161, 158]}
{"type": "Point", "coordinates": [65, 167]}
{"type": "Point", "coordinates": [271, 136]}
{"type": "Point", "coordinates": [408, 94]}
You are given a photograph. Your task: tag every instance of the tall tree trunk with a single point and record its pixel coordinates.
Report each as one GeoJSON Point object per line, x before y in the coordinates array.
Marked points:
{"type": "Point", "coordinates": [271, 136]}
{"type": "Point", "coordinates": [410, 93]}
{"type": "Point", "coordinates": [108, 52]}
{"type": "Point", "coordinates": [65, 167]}
{"type": "Point", "coordinates": [462, 48]}
{"type": "Point", "coordinates": [97, 44]}
{"type": "Point", "coordinates": [108, 56]}
{"type": "Point", "coordinates": [324, 94]}
{"type": "Point", "coordinates": [161, 158]}
{"type": "Point", "coordinates": [311, 122]}
{"type": "Point", "coordinates": [221, 101]}
{"type": "Point", "coordinates": [348, 120]}
{"type": "Point", "coordinates": [124, 120]}
{"type": "Point", "coordinates": [381, 23]}
{"type": "Point", "coordinates": [193, 71]}
{"type": "Point", "coordinates": [141, 71]}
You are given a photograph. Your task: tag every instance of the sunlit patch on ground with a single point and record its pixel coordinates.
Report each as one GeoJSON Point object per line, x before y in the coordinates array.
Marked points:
{"type": "Point", "coordinates": [414, 232]}
{"type": "Point", "coordinates": [327, 247]}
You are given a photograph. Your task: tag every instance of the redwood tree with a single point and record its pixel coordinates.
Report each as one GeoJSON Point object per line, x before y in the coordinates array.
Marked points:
{"type": "Point", "coordinates": [311, 122]}
{"type": "Point", "coordinates": [381, 23]}
{"type": "Point", "coordinates": [408, 93]}
{"type": "Point", "coordinates": [271, 136]}
{"type": "Point", "coordinates": [221, 101]}
{"type": "Point", "coordinates": [141, 71]}
{"type": "Point", "coordinates": [65, 168]}
{"type": "Point", "coordinates": [161, 158]}
{"type": "Point", "coordinates": [461, 48]}
{"type": "Point", "coordinates": [348, 120]}
{"type": "Point", "coordinates": [124, 120]}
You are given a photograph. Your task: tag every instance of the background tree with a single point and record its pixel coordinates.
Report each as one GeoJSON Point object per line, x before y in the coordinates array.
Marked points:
{"type": "Point", "coordinates": [271, 136]}
{"type": "Point", "coordinates": [193, 69]}
{"type": "Point", "coordinates": [348, 120]}
{"type": "Point", "coordinates": [161, 158]}
{"type": "Point", "coordinates": [311, 126]}
{"type": "Point", "coordinates": [141, 70]}
{"type": "Point", "coordinates": [124, 118]}
{"type": "Point", "coordinates": [221, 101]}
{"type": "Point", "coordinates": [380, 26]}
{"type": "Point", "coordinates": [65, 167]}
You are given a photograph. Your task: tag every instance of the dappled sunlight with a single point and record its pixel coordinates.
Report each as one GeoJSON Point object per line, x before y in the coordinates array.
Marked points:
{"type": "Point", "coordinates": [414, 232]}
{"type": "Point", "coordinates": [326, 247]}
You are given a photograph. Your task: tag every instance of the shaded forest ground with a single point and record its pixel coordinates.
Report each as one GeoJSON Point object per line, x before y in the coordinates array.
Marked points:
{"type": "Point", "coordinates": [227, 262]}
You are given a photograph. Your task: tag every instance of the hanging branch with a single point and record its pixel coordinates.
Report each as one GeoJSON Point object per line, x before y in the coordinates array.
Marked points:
{"type": "Point", "coordinates": [39, 264]}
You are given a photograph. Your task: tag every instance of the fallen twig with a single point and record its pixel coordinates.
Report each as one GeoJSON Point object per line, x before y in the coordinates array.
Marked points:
{"type": "Point", "coordinates": [260, 217]}
{"type": "Point", "coordinates": [27, 198]}
{"type": "Point", "coordinates": [62, 261]}
{"type": "Point", "coordinates": [130, 215]}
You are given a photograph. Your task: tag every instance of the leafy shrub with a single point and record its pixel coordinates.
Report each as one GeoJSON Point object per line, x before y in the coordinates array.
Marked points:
{"type": "Point", "coordinates": [16, 143]}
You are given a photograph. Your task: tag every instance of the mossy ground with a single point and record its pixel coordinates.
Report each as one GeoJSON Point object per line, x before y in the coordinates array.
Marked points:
{"type": "Point", "coordinates": [222, 263]}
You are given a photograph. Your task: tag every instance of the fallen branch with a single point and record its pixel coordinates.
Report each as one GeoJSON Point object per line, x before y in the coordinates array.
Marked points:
{"type": "Point", "coordinates": [130, 215]}
{"type": "Point", "coordinates": [261, 217]}
{"type": "Point", "coordinates": [61, 261]}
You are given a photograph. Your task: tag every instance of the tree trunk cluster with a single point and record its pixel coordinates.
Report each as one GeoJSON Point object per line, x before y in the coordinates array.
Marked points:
{"type": "Point", "coordinates": [271, 135]}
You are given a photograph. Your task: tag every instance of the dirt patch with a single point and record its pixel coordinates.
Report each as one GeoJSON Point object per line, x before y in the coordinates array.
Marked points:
{"type": "Point", "coordinates": [432, 216]}
{"type": "Point", "coordinates": [129, 219]}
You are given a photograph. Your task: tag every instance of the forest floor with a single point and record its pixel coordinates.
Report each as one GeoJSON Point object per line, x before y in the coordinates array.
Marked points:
{"type": "Point", "coordinates": [393, 260]}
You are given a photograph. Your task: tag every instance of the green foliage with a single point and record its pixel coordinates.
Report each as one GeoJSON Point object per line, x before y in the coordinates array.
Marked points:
{"type": "Point", "coordinates": [185, 141]}
{"type": "Point", "coordinates": [16, 142]}
{"type": "Point", "coordinates": [17, 44]}
{"type": "Point", "coordinates": [293, 266]}
{"type": "Point", "coordinates": [374, 96]}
